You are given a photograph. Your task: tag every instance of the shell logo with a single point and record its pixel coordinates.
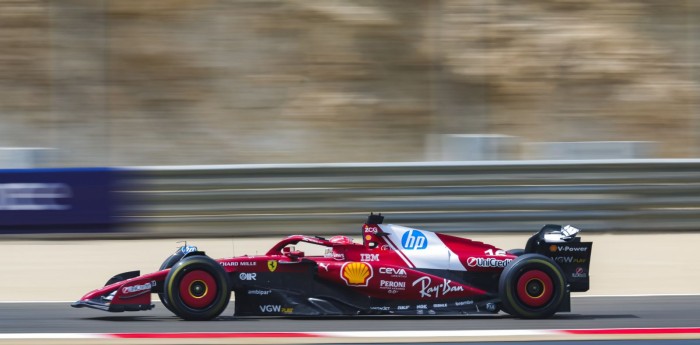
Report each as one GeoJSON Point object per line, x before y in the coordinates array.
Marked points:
{"type": "Point", "coordinates": [356, 273]}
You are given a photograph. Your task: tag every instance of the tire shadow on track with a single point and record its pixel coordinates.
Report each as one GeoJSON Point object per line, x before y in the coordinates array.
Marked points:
{"type": "Point", "coordinates": [593, 317]}
{"type": "Point", "coordinates": [133, 318]}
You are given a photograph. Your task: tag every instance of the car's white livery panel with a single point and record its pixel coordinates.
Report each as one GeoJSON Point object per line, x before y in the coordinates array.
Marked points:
{"type": "Point", "coordinates": [421, 249]}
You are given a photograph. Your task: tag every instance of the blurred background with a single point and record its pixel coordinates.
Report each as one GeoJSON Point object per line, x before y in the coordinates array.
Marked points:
{"type": "Point", "coordinates": [514, 113]}
{"type": "Point", "coordinates": [162, 82]}
{"type": "Point", "coordinates": [488, 98]}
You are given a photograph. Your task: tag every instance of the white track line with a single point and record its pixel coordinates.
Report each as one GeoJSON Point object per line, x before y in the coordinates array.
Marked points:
{"type": "Point", "coordinates": [542, 334]}
{"type": "Point", "coordinates": [17, 336]}
{"type": "Point", "coordinates": [437, 334]}
{"type": "Point", "coordinates": [342, 334]}
{"type": "Point", "coordinates": [35, 302]}
{"type": "Point", "coordinates": [641, 295]}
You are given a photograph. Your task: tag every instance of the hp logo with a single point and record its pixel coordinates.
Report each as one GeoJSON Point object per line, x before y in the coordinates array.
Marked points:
{"type": "Point", "coordinates": [414, 239]}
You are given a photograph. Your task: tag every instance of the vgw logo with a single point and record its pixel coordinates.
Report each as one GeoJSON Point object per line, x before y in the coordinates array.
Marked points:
{"type": "Point", "coordinates": [414, 239]}
{"type": "Point", "coordinates": [270, 308]}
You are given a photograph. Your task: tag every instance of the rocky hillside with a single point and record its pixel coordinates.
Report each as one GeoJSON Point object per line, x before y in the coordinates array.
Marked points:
{"type": "Point", "coordinates": [132, 82]}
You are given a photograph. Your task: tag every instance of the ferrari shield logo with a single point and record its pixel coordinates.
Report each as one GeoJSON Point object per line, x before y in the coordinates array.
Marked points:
{"type": "Point", "coordinates": [272, 265]}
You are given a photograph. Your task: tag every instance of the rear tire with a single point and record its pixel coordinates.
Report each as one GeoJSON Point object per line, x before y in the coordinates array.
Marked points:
{"type": "Point", "coordinates": [531, 287]}
{"type": "Point", "coordinates": [516, 252]}
{"type": "Point", "coordinates": [197, 288]}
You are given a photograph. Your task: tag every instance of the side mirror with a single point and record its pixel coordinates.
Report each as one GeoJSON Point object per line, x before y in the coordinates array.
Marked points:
{"type": "Point", "coordinates": [292, 253]}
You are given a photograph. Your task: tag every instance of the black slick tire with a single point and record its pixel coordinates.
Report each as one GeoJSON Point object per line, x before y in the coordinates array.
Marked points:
{"type": "Point", "coordinates": [531, 287]}
{"type": "Point", "coordinates": [168, 263]}
{"type": "Point", "coordinates": [516, 252]}
{"type": "Point", "coordinates": [197, 288]}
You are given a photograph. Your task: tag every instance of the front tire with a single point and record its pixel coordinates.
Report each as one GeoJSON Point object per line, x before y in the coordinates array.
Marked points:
{"type": "Point", "coordinates": [197, 288]}
{"type": "Point", "coordinates": [168, 263]}
{"type": "Point", "coordinates": [531, 287]}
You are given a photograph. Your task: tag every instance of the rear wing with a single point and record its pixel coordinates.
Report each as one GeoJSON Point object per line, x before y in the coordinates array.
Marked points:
{"type": "Point", "coordinates": [562, 244]}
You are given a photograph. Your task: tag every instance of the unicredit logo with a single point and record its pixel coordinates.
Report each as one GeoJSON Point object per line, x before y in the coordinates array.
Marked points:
{"type": "Point", "coordinates": [487, 262]}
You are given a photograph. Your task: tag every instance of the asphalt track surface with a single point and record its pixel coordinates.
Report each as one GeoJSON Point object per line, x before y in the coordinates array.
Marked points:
{"type": "Point", "coordinates": [591, 342]}
{"type": "Point", "coordinates": [587, 313]}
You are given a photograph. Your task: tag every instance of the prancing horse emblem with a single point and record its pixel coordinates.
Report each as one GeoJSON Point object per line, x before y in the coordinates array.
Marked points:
{"type": "Point", "coordinates": [272, 265]}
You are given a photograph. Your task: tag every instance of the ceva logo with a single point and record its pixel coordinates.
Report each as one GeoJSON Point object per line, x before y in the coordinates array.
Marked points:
{"type": "Point", "coordinates": [414, 239]}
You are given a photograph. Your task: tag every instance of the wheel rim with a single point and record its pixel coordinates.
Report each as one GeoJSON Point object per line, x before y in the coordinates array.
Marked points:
{"type": "Point", "coordinates": [535, 288]}
{"type": "Point", "coordinates": [198, 289]}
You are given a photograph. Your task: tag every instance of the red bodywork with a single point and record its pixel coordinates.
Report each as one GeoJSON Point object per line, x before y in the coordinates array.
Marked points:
{"type": "Point", "coordinates": [394, 269]}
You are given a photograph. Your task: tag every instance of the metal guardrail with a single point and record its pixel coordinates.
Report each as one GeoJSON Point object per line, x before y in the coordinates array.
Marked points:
{"type": "Point", "coordinates": [238, 200]}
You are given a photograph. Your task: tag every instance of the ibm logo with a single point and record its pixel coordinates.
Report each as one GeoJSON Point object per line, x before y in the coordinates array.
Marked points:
{"type": "Point", "coordinates": [414, 239]}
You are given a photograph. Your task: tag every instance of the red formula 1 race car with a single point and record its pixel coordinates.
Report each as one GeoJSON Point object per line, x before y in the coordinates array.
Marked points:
{"type": "Point", "coordinates": [396, 270]}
